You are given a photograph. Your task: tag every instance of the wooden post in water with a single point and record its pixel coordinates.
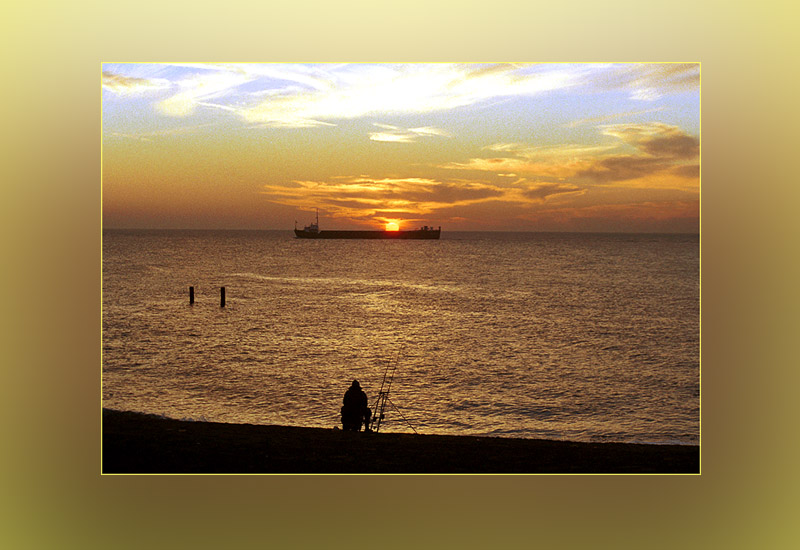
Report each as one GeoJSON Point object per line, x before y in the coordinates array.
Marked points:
{"type": "Point", "coordinates": [222, 297]}
{"type": "Point", "coordinates": [191, 295]}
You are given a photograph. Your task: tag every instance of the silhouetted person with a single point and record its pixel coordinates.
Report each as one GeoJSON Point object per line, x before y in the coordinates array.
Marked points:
{"type": "Point", "coordinates": [355, 409]}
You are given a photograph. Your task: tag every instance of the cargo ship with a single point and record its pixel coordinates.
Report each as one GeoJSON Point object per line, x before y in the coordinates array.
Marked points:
{"type": "Point", "coordinates": [312, 232]}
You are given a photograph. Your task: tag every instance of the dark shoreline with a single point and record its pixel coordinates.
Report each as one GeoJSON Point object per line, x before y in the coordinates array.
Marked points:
{"type": "Point", "coordinates": [141, 443]}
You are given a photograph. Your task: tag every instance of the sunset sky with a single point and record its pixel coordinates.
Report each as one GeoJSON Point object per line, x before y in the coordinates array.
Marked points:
{"type": "Point", "coordinates": [512, 147]}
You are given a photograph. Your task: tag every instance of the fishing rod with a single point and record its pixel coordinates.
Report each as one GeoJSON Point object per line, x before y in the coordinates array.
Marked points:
{"type": "Point", "coordinates": [383, 395]}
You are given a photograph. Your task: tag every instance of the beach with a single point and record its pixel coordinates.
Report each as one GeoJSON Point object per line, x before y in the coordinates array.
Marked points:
{"type": "Point", "coordinates": [141, 443]}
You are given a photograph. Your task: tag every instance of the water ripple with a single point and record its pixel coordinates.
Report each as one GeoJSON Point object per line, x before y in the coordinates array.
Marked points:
{"type": "Point", "coordinates": [592, 338]}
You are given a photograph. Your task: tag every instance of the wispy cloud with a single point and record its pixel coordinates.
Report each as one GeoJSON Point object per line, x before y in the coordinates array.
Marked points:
{"type": "Point", "coordinates": [196, 89]}
{"type": "Point", "coordinates": [542, 191]}
{"type": "Point", "coordinates": [552, 162]}
{"type": "Point", "coordinates": [365, 90]}
{"type": "Point", "coordinates": [132, 86]}
{"type": "Point", "coordinates": [153, 134]}
{"type": "Point", "coordinates": [611, 116]}
{"type": "Point", "coordinates": [650, 81]}
{"type": "Point", "coordinates": [556, 153]}
{"type": "Point", "coordinates": [397, 134]}
{"type": "Point", "coordinates": [308, 95]}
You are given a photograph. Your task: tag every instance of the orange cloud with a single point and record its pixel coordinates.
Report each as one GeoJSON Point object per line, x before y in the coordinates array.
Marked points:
{"type": "Point", "coordinates": [656, 139]}
{"type": "Point", "coordinates": [365, 198]}
{"type": "Point", "coordinates": [542, 191]}
{"type": "Point", "coordinates": [657, 161]}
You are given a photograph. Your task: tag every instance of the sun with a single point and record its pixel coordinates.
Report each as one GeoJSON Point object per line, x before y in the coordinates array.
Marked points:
{"type": "Point", "coordinates": [392, 226]}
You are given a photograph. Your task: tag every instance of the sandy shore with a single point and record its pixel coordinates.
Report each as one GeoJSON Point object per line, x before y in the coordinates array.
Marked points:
{"type": "Point", "coordinates": [139, 443]}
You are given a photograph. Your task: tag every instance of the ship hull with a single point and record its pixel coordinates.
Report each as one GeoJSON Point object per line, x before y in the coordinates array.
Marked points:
{"type": "Point", "coordinates": [415, 234]}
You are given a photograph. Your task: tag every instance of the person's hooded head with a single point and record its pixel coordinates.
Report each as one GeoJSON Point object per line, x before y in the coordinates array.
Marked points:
{"type": "Point", "coordinates": [355, 385]}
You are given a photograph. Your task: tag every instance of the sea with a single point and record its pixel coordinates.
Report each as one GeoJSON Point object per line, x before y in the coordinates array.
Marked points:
{"type": "Point", "coordinates": [564, 336]}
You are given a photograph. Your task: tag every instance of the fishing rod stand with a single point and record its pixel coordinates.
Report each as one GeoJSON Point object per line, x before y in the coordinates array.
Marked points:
{"type": "Point", "coordinates": [396, 408]}
{"type": "Point", "coordinates": [376, 420]}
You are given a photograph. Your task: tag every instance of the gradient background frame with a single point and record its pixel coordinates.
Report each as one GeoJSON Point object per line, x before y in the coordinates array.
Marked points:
{"type": "Point", "coordinates": [54, 495]}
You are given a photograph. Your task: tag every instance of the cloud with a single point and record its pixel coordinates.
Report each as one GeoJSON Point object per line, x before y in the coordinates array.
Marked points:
{"type": "Point", "coordinates": [392, 137]}
{"type": "Point", "coordinates": [659, 151]}
{"type": "Point", "coordinates": [494, 164]}
{"type": "Point", "coordinates": [355, 91]}
{"type": "Point", "coordinates": [397, 134]}
{"type": "Point", "coordinates": [528, 161]}
{"type": "Point", "coordinates": [619, 168]}
{"type": "Point", "coordinates": [198, 88]}
{"type": "Point", "coordinates": [656, 139]}
{"type": "Point", "coordinates": [543, 191]}
{"type": "Point", "coordinates": [311, 95]}
{"type": "Point", "coordinates": [611, 116]}
{"type": "Point", "coordinates": [429, 131]}
{"type": "Point", "coordinates": [688, 171]}
{"type": "Point", "coordinates": [559, 153]}
{"type": "Point", "coordinates": [364, 197]}
{"type": "Point", "coordinates": [649, 81]}
{"type": "Point", "coordinates": [130, 86]}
